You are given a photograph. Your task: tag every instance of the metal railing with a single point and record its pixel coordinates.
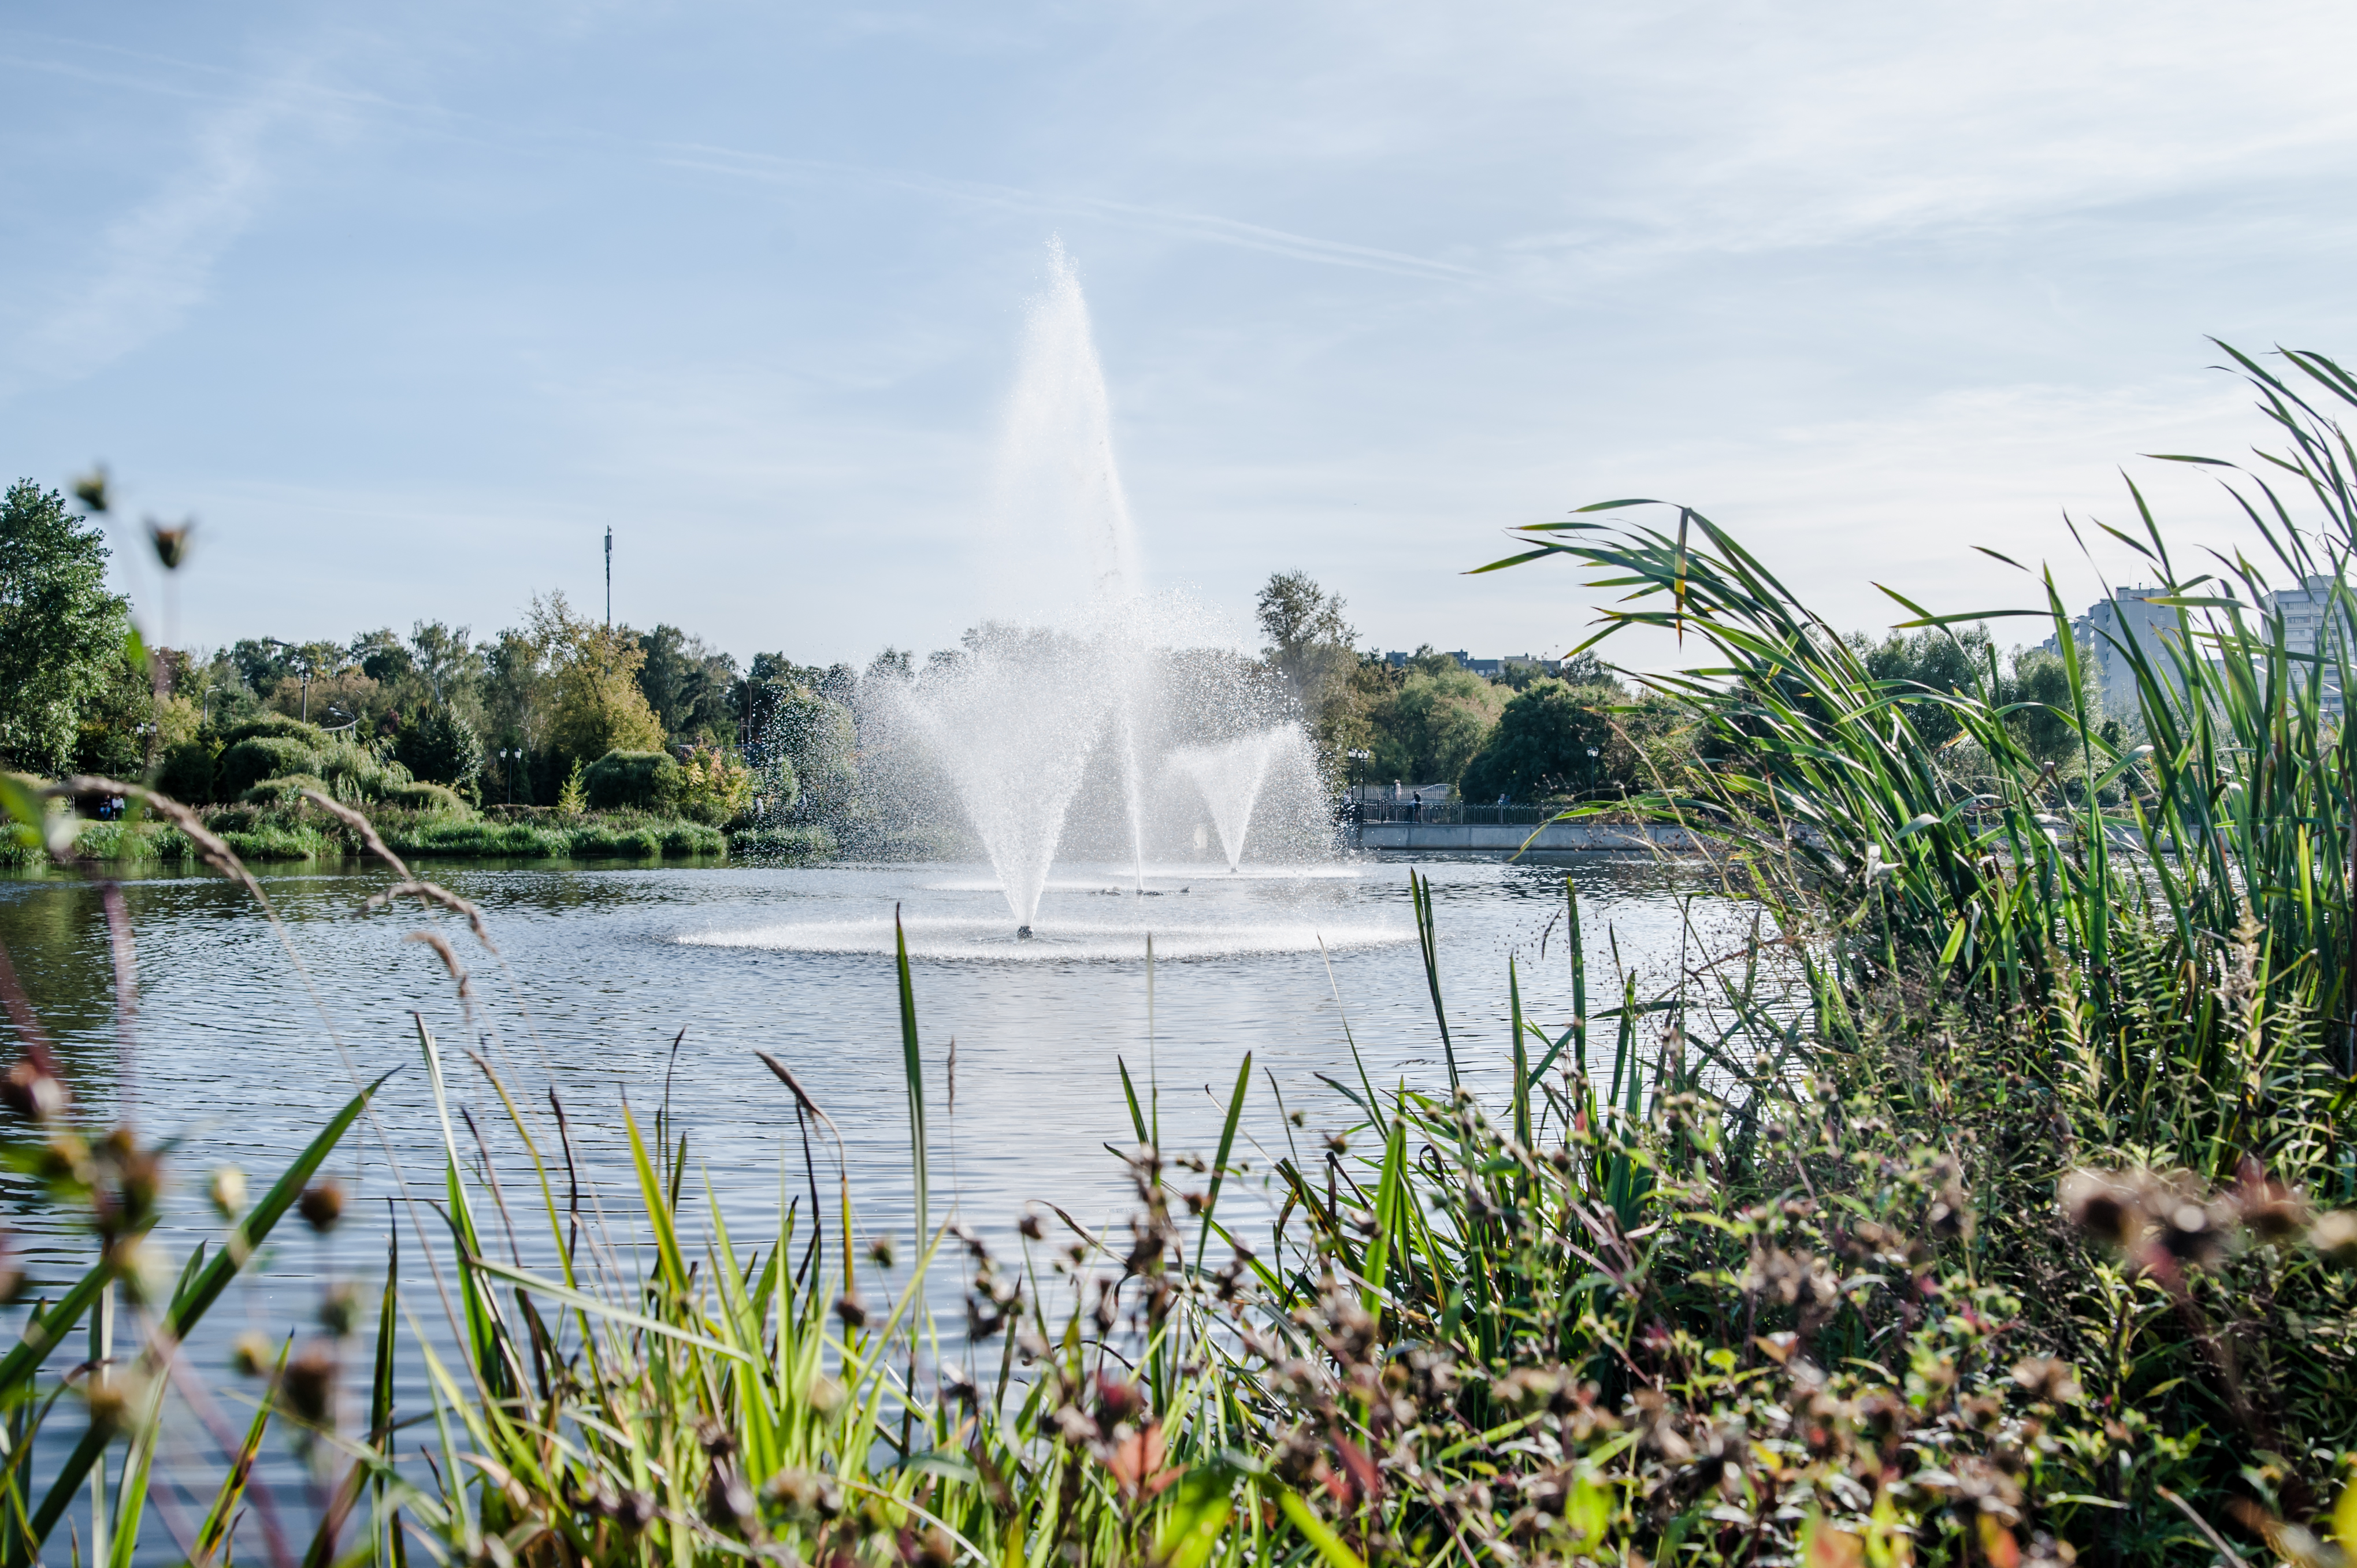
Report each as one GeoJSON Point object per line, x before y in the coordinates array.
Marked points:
{"type": "Point", "coordinates": [1455, 813]}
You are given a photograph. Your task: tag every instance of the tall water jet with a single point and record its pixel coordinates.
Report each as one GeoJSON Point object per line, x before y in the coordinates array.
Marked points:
{"type": "Point", "coordinates": [1013, 722]}
{"type": "Point", "coordinates": [1055, 741]}
{"type": "Point", "coordinates": [1058, 478]}
{"type": "Point", "coordinates": [1229, 778]}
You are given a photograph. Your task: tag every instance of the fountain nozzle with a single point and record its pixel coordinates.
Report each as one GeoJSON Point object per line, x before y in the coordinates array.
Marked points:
{"type": "Point", "coordinates": [1023, 933]}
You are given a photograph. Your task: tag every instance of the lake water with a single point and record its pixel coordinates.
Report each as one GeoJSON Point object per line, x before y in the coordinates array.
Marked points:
{"type": "Point", "coordinates": [613, 983]}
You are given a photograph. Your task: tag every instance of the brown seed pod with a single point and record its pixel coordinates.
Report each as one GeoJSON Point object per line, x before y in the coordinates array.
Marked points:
{"type": "Point", "coordinates": [321, 1205]}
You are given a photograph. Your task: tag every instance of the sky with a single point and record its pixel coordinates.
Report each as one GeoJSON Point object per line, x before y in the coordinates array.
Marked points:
{"type": "Point", "coordinates": [407, 306]}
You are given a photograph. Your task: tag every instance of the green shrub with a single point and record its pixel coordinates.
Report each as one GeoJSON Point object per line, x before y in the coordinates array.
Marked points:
{"type": "Point", "coordinates": [798, 841]}
{"type": "Point", "coordinates": [359, 773]}
{"type": "Point", "coordinates": [433, 799]}
{"type": "Point", "coordinates": [601, 840]}
{"type": "Point", "coordinates": [285, 790]}
{"type": "Point", "coordinates": [250, 761]}
{"type": "Point", "coordinates": [522, 841]}
{"type": "Point", "coordinates": [439, 748]}
{"type": "Point", "coordinates": [694, 838]}
{"type": "Point", "coordinates": [274, 726]}
{"type": "Point", "coordinates": [272, 840]}
{"type": "Point", "coordinates": [187, 773]}
{"type": "Point", "coordinates": [648, 780]}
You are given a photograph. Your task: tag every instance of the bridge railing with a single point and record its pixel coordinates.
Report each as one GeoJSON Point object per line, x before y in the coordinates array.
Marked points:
{"type": "Point", "coordinates": [1455, 813]}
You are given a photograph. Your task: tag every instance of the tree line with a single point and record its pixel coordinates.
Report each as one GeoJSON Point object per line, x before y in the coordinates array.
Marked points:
{"type": "Point", "coordinates": [1584, 732]}
{"type": "Point", "coordinates": [520, 717]}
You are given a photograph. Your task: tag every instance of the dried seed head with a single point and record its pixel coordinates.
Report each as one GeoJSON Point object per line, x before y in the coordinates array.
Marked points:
{"type": "Point", "coordinates": [339, 1309]}
{"type": "Point", "coordinates": [826, 1395]}
{"type": "Point", "coordinates": [170, 542]}
{"type": "Point", "coordinates": [32, 1090]}
{"type": "Point", "coordinates": [2051, 1379]}
{"type": "Point", "coordinates": [2107, 1206]}
{"type": "Point", "coordinates": [2335, 1236]}
{"type": "Point", "coordinates": [146, 1271]}
{"type": "Point", "coordinates": [226, 1191]}
{"type": "Point", "coordinates": [852, 1310]}
{"type": "Point", "coordinates": [307, 1389]}
{"type": "Point", "coordinates": [321, 1205]}
{"type": "Point", "coordinates": [1030, 1227]}
{"type": "Point", "coordinates": [115, 1397]}
{"type": "Point", "coordinates": [880, 1251]}
{"type": "Point", "coordinates": [251, 1354]}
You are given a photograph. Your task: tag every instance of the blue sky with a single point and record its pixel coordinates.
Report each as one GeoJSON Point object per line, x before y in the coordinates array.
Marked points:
{"type": "Point", "coordinates": [409, 305]}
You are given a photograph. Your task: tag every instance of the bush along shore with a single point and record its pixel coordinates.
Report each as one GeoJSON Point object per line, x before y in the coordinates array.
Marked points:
{"type": "Point", "coordinates": [1989, 1200]}
{"type": "Point", "coordinates": [273, 776]}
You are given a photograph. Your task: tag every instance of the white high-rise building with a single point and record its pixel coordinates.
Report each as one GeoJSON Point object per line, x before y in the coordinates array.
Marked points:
{"type": "Point", "coordinates": [2127, 617]}
{"type": "Point", "coordinates": [2307, 611]}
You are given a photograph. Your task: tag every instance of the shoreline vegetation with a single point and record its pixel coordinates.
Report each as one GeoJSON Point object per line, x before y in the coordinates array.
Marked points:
{"type": "Point", "coordinates": [1991, 1203]}
{"type": "Point", "coordinates": [293, 833]}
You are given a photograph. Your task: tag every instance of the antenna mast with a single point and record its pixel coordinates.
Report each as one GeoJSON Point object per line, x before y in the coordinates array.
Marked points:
{"type": "Point", "coordinates": [609, 579]}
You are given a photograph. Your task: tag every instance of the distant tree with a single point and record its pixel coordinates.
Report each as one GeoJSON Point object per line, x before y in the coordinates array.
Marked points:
{"type": "Point", "coordinates": [892, 664]}
{"type": "Point", "coordinates": [516, 696]}
{"type": "Point", "coordinates": [381, 656]}
{"type": "Point", "coordinates": [439, 748]}
{"type": "Point", "coordinates": [691, 688]}
{"type": "Point", "coordinates": [1309, 649]}
{"type": "Point", "coordinates": [115, 725]}
{"type": "Point", "coordinates": [1540, 744]}
{"type": "Point", "coordinates": [593, 669]}
{"type": "Point", "coordinates": [1309, 643]}
{"type": "Point", "coordinates": [262, 662]}
{"type": "Point", "coordinates": [2046, 726]}
{"type": "Point", "coordinates": [1933, 663]}
{"type": "Point", "coordinates": [319, 676]}
{"type": "Point", "coordinates": [1432, 725]}
{"type": "Point", "coordinates": [445, 657]}
{"type": "Point", "coordinates": [61, 633]}
{"type": "Point", "coordinates": [814, 739]}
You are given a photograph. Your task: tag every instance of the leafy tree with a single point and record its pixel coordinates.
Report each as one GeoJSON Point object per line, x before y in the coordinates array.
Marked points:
{"type": "Point", "coordinates": [2048, 730]}
{"type": "Point", "coordinates": [691, 688]}
{"type": "Point", "coordinates": [319, 676]}
{"type": "Point", "coordinates": [115, 729]}
{"type": "Point", "coordinates": [439, 747]}
{"type": "Point", "coordinates": [814, 738]}
{"type": "Point", "coordinates": [61, 633]}
{"type": "Point", "coordinates": [1931, 661]}
{"type": "Point", "coordinates": [262, 662]}
{"type": "Point", "coordinates": [893, 664]}
{"type": "Point", "coordinates": [445, 657]}
{"type": "Point", "coordinates": [1309, 643]}
{"type": "Point", "coordinates": [715, 788]}
{"type": "Point", "coordinates": [381, 656]}
{"type": "Point", "coordinates": [1432, 725]}
{"type": "Point", "coordinates": [1540, 744]}
{"type": "Point", "coordinates": [593, 676]}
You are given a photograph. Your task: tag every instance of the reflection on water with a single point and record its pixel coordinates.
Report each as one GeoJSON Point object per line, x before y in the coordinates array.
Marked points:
{"type": "Point", "coordinates": [599, 972]}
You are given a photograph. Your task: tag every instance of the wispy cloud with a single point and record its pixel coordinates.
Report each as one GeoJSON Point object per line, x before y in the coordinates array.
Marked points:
{"type": "Point", "coordinates": [1209, 228]}
{"type": "Point", "coordinates": [156, 262]}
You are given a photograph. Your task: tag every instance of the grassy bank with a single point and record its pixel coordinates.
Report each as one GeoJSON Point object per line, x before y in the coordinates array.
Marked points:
{"type": "Point", "coordinates": [298, 832]}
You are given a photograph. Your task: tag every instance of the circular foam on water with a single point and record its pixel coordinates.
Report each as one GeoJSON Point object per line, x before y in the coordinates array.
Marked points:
{"type": "Point", "coordinates": [994, 941]}
{"type": "Point", "coordinates": [1169, 880]}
